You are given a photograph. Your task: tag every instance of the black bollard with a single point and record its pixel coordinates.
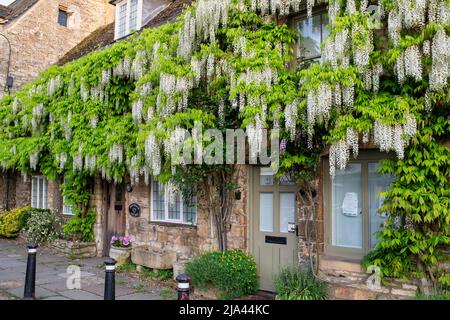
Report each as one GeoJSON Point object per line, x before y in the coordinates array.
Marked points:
{"type": "Point", "coordinates": [110, 279]}
{"type": "Point", "coordinates": [183, 286]}
{"type": "Point", "coordinates": [30, 279]}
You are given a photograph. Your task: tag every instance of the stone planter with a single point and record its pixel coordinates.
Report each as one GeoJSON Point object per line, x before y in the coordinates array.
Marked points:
{"type": "Point", "coordinates": [120, 254]}
{"type": "Point", "coordinates": [145, 256]}
{"type": "Point", "coordinates": [75, 249]}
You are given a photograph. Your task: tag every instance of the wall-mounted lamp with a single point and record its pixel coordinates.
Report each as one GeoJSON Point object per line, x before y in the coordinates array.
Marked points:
{"type": "Point", "coordinates": [9, 82]}
{"type": "Point", "coordinates": [237, 195]}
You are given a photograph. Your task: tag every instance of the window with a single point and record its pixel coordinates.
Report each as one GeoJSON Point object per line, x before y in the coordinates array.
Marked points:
{"type": "Point", "coordinates": [39, 192]}
{"type": "Point", "coordinates": [122, 21]}
{"type": "Point", "coordinates": [313, 32]}
{"type": "Point", "coordinates": [133, 14]}
{"type": "Point", "coordinates": [67, 208]}
{"type": "Point", "coordinates": [352, 207]}
{"type": "Point", "coordinates": [179, 211]}
{"type": "Point", "coordinates": [128, 17]}
{"type": "Point", "coordinates": [62, 17]}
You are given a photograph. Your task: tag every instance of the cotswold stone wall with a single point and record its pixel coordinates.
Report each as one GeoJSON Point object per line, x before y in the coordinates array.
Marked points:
{"type": "Point", "coordinates": [37, 40]}
{"type": "Point", "coordinates": [183, 240]}
{"type": "Point", "coordinates": [15, 191]}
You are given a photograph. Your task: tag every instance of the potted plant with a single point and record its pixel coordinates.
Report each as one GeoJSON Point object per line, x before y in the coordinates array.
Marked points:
{"type": "Point", "coordinates": [120, 248]}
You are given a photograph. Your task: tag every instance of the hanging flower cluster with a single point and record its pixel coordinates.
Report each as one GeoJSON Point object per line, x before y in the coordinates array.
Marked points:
{"type": "Point", "coordinates": [158, 72]}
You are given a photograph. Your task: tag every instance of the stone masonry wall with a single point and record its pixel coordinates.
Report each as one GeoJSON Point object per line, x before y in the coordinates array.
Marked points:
{"type": "Point", "coordinates": [37, 40]}
{"type": "Point", "coordinates": [183, 240]}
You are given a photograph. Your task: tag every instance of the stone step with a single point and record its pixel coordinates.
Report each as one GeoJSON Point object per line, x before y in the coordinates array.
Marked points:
{"type": "Point", "coordinates": [341, 264]}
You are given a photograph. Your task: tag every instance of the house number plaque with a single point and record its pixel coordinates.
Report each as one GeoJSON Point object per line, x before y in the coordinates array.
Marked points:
{"type": "Point", "coordinates": [135, 210]}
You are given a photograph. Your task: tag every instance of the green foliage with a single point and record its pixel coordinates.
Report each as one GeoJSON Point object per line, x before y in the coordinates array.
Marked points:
{"type": "Point", "coordinates": [444, 295]}
{"type": "Point", "coordinates": [89, 111]}
{"type": "Point", "coordinates": [168, 294]}
{"type": "Point", "coordinates": [11, 222]}
{"type": "Point", "coordinates": [157, 274]}
{"type": "Point", "coordinates": [417, 204]}
{"type": "Point", "coordinates": [299, 283]}
{"type": "Point", "coordinates": [232, 272]}
{"type": "Point", "coordinates": [43, 226]}
{"type": "Point", "coordinates": [127, 266]}
{"type": "Point", "coordinates": [81, 228]}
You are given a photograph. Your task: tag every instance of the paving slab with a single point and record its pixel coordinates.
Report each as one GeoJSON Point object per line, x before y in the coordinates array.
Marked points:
{"type": "Point", "coordinates": [52, 276]}
{"type": "Point", "coordinates": [80, 295]}
{"type": "Point", "coordinates": [57, 285]}
{"type": "Point", "coordinates": [39, 292]}
{"type": "Point", "coordinates": [56, 298]}
{"type": "Point", "coordinates": [139, 296]}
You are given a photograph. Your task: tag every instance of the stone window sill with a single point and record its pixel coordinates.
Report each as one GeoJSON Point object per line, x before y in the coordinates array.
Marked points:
{"type": "Point", "coordinates": [172, 224]}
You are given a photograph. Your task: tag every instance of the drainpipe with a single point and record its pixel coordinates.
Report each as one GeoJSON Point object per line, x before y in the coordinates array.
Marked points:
{"type": "Point", "coordinates": [8, 79]}
{"type": "Point", "coordinates": [7, 190]}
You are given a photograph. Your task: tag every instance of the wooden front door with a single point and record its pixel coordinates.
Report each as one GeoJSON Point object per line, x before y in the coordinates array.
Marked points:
{"type": "Point", "coordinates": [274, 226]}
{"type": "Point", "coordinates": [115, 214]}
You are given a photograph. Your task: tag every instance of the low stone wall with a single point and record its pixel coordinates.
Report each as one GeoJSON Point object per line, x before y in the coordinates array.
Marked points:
{"type": "Point", "coordinates": [75, 250]}
{"type": "Point", "coordinates": [349, 282]}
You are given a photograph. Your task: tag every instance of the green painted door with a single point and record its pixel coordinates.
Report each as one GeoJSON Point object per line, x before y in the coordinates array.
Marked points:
{"type": "Point", "coordinates": [274, 239]}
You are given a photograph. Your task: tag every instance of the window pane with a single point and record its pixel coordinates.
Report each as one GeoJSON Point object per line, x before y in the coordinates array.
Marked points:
{"type": "Point", "coordinates": [266, 212]}
{"type": "Point", "coordinates": [62, 18]}
{"type": "Point", "coordinates": [158, 201]}
{"type": "Point", "coordinates": [190, 211]}
{"type": "Point", "coordinates": [174, 209]}
{"type": "Point", "coordinates": [377, 183]}
{"type": "Point", "coordinates": [44, 193]}
{"type": "Point", "coordinates": [122, 23]}
{"type": "Point", "coordinates": [133, 14]}
{"type": "Point", "coordinates": [34, 193]}
{"type": "Point", "coordinates": [266, 177]}
{"type": "Point", "coordinates": [312, 33]}
{"type": "Point", "coordinates": [347, 207]}
{"type": "Point", "coordinates": [40, 186]}
{"type": "Point", "coordinates": [287, 210]}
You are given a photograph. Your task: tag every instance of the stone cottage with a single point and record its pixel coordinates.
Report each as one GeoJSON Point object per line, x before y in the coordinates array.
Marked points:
{"type": "Point", "coordinates": [37, 33]}
{"type": "Point", "coordinates": [270, 218]}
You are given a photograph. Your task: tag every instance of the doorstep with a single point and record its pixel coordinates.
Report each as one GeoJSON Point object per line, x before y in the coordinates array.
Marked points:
{"type": "Point", "coordinates": [353, 265]}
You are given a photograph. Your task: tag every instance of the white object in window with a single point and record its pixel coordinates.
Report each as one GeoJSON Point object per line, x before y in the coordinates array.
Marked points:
{"type": "Point", "coordinates": [287, 210]}
{"type": "Point", "coordinates": [39, 192]}
{"type": "Point", "coordinates": [178, 212]}
{"type": "Point", "coordinates": [128, 17]}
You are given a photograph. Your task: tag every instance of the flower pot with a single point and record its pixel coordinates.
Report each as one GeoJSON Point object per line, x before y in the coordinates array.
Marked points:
{"type": "Point", "coordinates": [120, 254]}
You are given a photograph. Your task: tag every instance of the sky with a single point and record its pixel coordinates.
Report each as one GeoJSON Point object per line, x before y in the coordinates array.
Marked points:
{"type": "Point", "coordinates": [6, 2]}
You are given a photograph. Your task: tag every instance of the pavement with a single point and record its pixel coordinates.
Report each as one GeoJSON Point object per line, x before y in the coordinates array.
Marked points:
{"type": "Point", "coordinates": [57, 277]}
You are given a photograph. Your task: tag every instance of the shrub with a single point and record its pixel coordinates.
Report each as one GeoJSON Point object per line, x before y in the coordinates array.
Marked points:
{"type": "Point", "coordinates": [232, 272]}
{"type": "Point", "coordinates": [299, 283]}
{"type": "Point", "coordinates": [81, 228]}
{"type": "Point", "coordinates": [43, 226]}
{"type": "Point", "coordinates": [437, 295]}
{"type": "Point", "coordinates": [11, 222]}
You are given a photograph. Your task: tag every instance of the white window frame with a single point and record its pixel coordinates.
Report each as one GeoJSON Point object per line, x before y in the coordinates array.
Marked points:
{"type": "Point", "coordinates": [41, 197]}
{"type": "Point", "coordinates": [67, 208]}
{"type": "Point", "coordinates": [127, 3]}
{"type": "Point", "coordinates": [166, 209]}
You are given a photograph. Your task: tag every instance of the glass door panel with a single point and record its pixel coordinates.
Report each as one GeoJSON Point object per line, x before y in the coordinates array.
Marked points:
{"type": "Point", "coordinates": [287, 210]}
{"type": "Point", "coordinates": [377, 183]}
{"type": "Point", "coordinates": [266, 212]}
{"type": "Point", "coordinates": [347, 207]}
